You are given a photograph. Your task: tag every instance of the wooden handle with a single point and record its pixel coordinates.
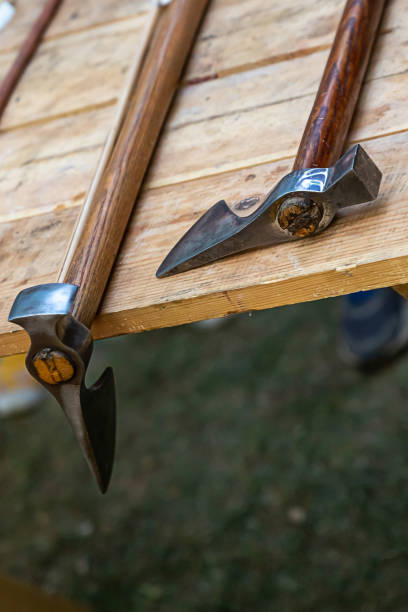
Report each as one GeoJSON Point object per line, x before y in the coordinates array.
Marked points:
{"type": "Point", "coordinates": [100, 231]}
{"type": "Point", "coordinates": [328, 124]}
{"type": "Point", "coordinates": [26, 52]}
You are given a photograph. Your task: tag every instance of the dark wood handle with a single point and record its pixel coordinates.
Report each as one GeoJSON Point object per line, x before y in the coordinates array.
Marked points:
{"type": "Point", "coordinates": [26, 52]}
{"type": "Point", "coordinates": [328, 124]}
{"type": "Point", "coordinates": [101, 233]}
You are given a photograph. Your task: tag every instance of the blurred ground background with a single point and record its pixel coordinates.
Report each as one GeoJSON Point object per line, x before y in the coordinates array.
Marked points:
{"type": "Point", "coordinates": [254, 472]}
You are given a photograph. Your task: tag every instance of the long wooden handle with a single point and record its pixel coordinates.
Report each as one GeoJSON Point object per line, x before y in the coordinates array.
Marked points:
{"type": "Point", "coordinates": [100, 232]}
{"type": "Point", "coordinates": [328, 124]}
{"type": "Point", "coordinates": [26, 52]}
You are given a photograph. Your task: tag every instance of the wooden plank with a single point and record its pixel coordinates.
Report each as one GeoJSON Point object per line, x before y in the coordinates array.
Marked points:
{"type": "Point", "coordinates": [365, 248]}
{"type": "Point", "coordinates": [63, 82]}
{"type": "Point", "coordinates": [226, 137]}
{"type": "Point", "coordinates": [73, 16]}
{"type": "Point", "coordinates": [50, 164]}
{"type": "Point", "coordinates": [246, 34]}
{"type": "Point", "coordinates": [236, 33]}
{"type": "Point", "coordinates": [71, 73]}
{"type": "Point", "coordinates": [232, 140]}
{"type": "Point", "coordinates": [44, 162]}
{"type": "Point", "coordinates": [15, 597]}
{"type": "Point", "coordinates": [330, 264]}
{"type": "Point", "coordinates": [51, 156]}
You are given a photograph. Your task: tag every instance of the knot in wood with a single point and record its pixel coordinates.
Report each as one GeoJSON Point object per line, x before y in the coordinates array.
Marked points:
{"type": "Point", "coordinates": [300, 216]}
{"type": "Point", "coordinates": [53, 367]}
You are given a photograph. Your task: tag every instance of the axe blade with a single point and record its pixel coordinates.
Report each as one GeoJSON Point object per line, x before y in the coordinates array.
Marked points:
{"type": "Point", "coordinates": [91, 412]}
{"type": "Point", "coordinates": [98, 405]}
{"type": "Point", "coordinates": [218, 234]}
{"type": "Point", "coordinates": [58, 358]}
{"type": "Point", "coordinates": [221, 232]}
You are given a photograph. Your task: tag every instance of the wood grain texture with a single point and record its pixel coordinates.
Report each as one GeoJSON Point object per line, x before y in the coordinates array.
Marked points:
{"type": "Point", "coordinates": [229, 137]}
{"type": "Point", "coordinates": [85, 66]}
{"type": "Point", "coordinates": [26, 52]}
{"type": "Point", "coordinates": [50, 163]}
{"type": "Point", "coordinates": [101, 232]}
{"type": "Point", "coordinates": [73, 16]}
{"type": "Point", "coordinates": [74, 69]}
{"type": "Point", "coordinates": [263, 279]}
{"type": "Point", "coordinates": [329, 121]}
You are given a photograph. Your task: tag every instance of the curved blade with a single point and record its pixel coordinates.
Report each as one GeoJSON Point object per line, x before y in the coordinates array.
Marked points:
{"type": "Point", "coordinates": [92, 416]}
{"type": "Point", "coordinates": [99, 412]}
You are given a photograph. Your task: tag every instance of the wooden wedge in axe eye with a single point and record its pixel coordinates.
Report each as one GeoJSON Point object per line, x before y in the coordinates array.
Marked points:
{"type": "Point", "coordinates": [306, 200]}
{"type": "Point", "coordinates": [58, 316]}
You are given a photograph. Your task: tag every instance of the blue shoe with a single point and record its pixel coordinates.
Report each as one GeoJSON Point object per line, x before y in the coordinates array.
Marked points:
{"type": "Point", "coordinates": [374, 328]}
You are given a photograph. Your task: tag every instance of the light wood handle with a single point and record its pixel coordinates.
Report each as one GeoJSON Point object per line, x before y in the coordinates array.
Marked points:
{"type": "Point", "coordinates": [329, 121]}
{"type": "Point", "coordinates": [100, 233]}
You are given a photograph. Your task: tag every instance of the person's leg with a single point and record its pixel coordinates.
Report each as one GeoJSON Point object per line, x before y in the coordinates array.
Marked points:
{"type": "Point", "coordinates": [374, 328]}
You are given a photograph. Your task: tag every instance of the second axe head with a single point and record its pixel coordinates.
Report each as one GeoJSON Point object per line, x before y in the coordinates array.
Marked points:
{"type": "Point", "coordinates": [304, 202]}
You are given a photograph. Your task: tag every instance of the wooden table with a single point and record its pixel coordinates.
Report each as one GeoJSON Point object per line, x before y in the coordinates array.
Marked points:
{"type": "Point", "coordinates": [233, 131]}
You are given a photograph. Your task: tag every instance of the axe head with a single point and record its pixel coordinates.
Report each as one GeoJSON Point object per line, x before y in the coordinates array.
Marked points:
{"type": "Point", "coordinates": [224, 231]}
{"type": "Point", "coordinates": [58, 358]}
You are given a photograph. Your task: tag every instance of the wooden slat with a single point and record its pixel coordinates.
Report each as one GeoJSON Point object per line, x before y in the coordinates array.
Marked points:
{"type": "Point", "coordinates": [86, 65]}
{"type": "Point", "coordinates": [73, 16]}
{"type": "Point", "coordinates": [43, 162]}
{"type": "Point", "coordinates": [70, 73]}
{"type": "Point", "coordinates": [231, 140]}
{"type": "Point", "coordinates": [226, 137]}
{"type": "Point", "coordinates": [50, 164]}
{"type": "Point", "coordinates": [246, 34]}
{"type": "Point", "coordinates": [333, 263]}
{"type": "Point", "coordinates": [50, 156]}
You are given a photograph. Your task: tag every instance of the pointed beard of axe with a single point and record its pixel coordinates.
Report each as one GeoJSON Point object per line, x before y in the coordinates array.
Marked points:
{"type": "Point", "coordinates": [304, 202]}
{"type": "Point", "coordinates": [58, 358]}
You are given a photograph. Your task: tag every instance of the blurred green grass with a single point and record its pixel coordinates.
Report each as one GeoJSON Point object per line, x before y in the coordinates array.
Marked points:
{"type": "Point", "coordinates": [254, 472]}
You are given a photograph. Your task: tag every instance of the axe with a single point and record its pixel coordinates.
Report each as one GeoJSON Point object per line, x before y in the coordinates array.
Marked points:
{"type": "Point", "coordinates": [58, 316]}
{"type": "Point", "coordinates": [305, 201]}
